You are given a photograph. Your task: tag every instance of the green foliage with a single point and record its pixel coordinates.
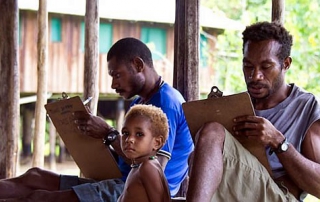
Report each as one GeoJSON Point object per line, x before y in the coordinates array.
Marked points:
{"type": "Point", "coordinates": [228, 63]}
{"type": "Point", "coordinates": [301, 19]}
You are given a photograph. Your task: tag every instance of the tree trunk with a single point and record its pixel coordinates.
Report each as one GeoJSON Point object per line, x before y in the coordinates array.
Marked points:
{"type": "Point", "coordinates": [40, 113]}
{"type": "Point", "coordinates": [9, 91]}
{"type": "Point", "coordinates": [186, 49]}
{"type": "Point", "coordinates": [278, 8]}
{"type": "Point", "coordinates": [91, 62]}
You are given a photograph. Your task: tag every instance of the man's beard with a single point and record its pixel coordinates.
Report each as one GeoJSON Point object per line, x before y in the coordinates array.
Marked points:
{"type": "Point", "coordinates": [137, 85]}
{"type": "Point", "coordinates": [270, 89]}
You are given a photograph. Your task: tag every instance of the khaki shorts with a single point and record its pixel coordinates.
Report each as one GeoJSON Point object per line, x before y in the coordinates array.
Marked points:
{"type": "Point", "coordinates": [245, 178]}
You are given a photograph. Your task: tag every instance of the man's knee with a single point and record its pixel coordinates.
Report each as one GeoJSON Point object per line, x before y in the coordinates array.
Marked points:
{"type": "Point", "coordinates": [30, 176]}
{"type": "Point", "coordinates": [209, 132]}
{"type": "Point", "coordinates": [36, 172]}
{"type": "Point", "coordinates": [45, 179]}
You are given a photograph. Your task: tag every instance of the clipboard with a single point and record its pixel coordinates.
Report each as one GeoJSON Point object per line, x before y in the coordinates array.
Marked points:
{"type": "Point", "coordinates": [223, 109]}
{"type": "Point", "coordinates": [92, 157]}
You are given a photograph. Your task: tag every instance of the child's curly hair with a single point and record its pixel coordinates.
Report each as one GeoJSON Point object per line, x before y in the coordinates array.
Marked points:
{"type": "Point", "coordinates": [157, 118]}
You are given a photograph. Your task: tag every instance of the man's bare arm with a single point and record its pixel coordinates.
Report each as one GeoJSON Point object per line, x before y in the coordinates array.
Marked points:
{"type": "Point", "coordinates": [304, 169]}
{"type": "Point", "coordinates": [163, 160]}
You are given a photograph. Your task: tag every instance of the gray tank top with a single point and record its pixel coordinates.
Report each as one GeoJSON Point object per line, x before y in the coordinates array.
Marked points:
{"type": "Point", "coordinates": [292, 117]}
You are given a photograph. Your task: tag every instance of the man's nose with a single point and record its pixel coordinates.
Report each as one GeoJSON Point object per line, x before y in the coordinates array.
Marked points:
{"type": "Point", "coordinates": [256, 74]}
{"type": "Point", "coordinates": [114, 84]}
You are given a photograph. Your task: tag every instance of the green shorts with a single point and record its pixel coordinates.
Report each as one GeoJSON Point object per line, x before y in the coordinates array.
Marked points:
{"type": "Point", "coordinates": [245, 178]}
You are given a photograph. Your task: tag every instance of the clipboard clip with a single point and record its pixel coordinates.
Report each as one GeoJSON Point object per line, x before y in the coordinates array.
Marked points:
{"type": "Point", "coordinates": [215, 92]}
{"type": "Point", "coordinates": [65, 95]}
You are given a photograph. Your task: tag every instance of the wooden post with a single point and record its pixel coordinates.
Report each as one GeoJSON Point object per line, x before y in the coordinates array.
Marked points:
{"type": "Point", "coordinates": [27, 130]}
{"type": "Point", "coordinates": [278, 8]}
{"type": "Point", "coordinates": [40, 113]}
{"type": "Point", "coordinates": [91, 62]}
{"type": "Point", "coordinates": [52, 141]}
{"type": "Point", "coordinates": [9, 91]}
{"type": "Point", "coordinates": [120, 114]}
{"type": "Point", "coordinates": [186, 49]}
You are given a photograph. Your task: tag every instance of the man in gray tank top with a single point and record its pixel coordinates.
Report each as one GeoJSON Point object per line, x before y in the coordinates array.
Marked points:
{"type": "Point", "coordinates": [287, 124]}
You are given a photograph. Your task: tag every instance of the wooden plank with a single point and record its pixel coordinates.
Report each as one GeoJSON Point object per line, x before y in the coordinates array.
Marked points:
{"type": "Point", "coordinates": [186, 46]}
{"type": "Point", "coordinates": [9, 91]}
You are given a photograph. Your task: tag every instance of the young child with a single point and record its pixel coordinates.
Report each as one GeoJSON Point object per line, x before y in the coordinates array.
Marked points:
{"type": "Point", "coordinates": [144, 132]}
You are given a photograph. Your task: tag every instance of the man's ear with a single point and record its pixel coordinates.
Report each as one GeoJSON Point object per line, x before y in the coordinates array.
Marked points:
{"type": "Point", "coordinates": [138, 63]}
{"type": "Point", "coordinates": [158, 142]}
{"type": "Point", "coordinates": [287, 63]}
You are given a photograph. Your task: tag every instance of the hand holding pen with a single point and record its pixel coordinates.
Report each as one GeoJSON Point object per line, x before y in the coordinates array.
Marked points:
{"type": "Point", "coordinates": [87, 100]}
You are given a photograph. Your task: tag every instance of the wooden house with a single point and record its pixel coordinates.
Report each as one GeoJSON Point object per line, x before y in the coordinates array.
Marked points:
{"type": "Point", "coordinates": [149, 20]}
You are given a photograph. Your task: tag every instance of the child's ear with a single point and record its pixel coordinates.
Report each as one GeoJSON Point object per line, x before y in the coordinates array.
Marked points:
{"type": "Point", "coordinates": [158, 142]}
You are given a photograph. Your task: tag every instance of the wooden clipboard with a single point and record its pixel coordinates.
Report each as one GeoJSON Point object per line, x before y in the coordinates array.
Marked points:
{"type": "Point", "coordinates": [223, 110]}
{"type": "Point", "coordinates": [90, 154]}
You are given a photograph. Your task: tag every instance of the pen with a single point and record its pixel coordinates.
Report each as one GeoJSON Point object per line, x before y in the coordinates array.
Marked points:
{"type": "Point", "coordinates": [87, 100]}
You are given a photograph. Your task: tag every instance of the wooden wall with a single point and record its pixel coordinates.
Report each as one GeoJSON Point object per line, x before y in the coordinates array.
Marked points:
{"type": "Point", "coordinates": [66, 59]}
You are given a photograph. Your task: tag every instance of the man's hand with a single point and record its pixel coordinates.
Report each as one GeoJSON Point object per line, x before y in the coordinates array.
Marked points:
{"type": "Point", "coordinates": [91, 125]}
{"type": "Point", "coordinates": [258, 128]}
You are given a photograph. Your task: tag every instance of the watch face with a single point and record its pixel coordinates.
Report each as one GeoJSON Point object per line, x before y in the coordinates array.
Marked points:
{"type": "Point", "coordinates": [284, 146]}
{"type": "Point", "coordinates": [112, 136]}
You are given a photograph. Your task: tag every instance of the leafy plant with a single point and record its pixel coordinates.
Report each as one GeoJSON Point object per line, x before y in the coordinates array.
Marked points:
{"type": "Point", "coordinates": [301, 19]}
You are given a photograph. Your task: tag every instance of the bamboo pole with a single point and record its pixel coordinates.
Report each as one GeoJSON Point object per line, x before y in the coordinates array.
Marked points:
{"type": "Point", "coordinates": [278, 11]}
{"type": "Point", "coordinates": [40, 113]}
{"type": "Point", "coordinates": [91, 62]}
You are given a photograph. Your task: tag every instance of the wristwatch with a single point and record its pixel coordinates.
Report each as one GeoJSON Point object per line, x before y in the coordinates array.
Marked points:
{"type": "Point", "coordinates": [284, 146]}
{"type": "Point", "coordinates": [110, 137]}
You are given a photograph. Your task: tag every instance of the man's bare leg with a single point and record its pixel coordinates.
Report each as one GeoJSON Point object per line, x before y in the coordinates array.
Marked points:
{"type": "Point", "coordinates": [33, 179]}
{"type": "Point", "coordinates": [207, 166]}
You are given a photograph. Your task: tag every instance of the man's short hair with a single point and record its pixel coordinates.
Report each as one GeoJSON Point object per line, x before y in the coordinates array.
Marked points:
{"type": "Point", "coordinates": [261, 31]}
{"type": "Point", "coordinates": [126, 49]}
